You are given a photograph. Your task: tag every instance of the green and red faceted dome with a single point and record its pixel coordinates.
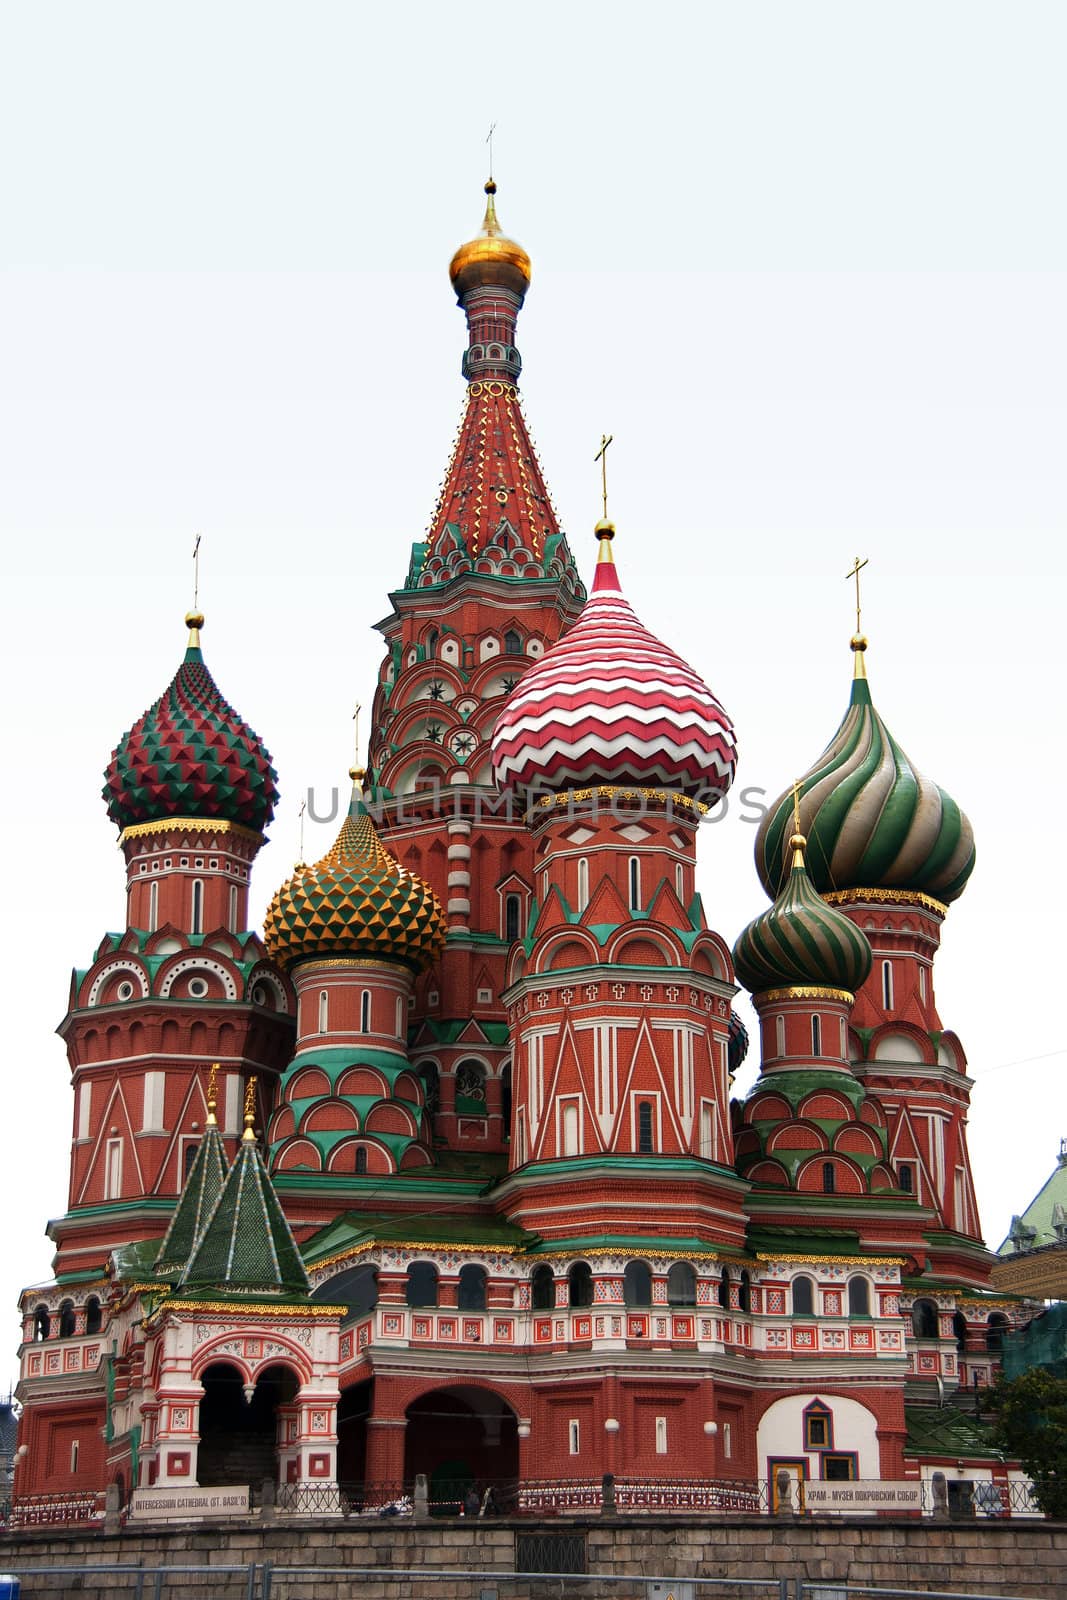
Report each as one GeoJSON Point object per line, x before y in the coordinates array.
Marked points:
{"type": "Point", "coordinates": [191, 756]}
{"type": "Point", "coordinates": [873, 821]}
{"type": "Point", "coordinates": [801, 941]}
{"type": "Point", "coordinates": [357, 902]}
{"type": "Point", "coordinates": [610, 704]}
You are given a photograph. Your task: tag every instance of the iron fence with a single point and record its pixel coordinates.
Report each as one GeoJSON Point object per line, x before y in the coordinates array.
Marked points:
{"type": "Point", "coordinates": [43, 1510]}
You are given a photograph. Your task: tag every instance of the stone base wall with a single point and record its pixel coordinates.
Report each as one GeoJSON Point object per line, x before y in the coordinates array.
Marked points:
{"type": "Point", "coordinates": [1022, 1559]}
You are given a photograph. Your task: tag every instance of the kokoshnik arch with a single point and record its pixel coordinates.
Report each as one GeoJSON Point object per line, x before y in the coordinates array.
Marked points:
{"type": "Point", "coordinates": [468, 1194]}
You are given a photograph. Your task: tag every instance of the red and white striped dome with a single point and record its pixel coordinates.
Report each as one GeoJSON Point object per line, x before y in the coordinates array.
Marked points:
{"type": "Point", "coordinates": [610, 704]}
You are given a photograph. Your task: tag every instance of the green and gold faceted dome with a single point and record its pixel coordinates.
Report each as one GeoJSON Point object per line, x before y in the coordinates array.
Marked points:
{"type": "Point", "coordinates": [800, 941]}
{"type": "Point", "coordinates": [357, 902]}
{"type": "Point", "coordinates": [873, 821]}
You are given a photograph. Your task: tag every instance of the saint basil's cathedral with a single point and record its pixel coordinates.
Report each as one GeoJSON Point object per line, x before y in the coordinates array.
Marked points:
{"type": "Point", "coordinates": [442, 1174]}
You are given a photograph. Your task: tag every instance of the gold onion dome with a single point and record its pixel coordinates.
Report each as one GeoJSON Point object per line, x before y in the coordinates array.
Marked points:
{"type": "Point", "coordinates": [359, 902]}
{"type": "Point", "coordinates": [490, 258]}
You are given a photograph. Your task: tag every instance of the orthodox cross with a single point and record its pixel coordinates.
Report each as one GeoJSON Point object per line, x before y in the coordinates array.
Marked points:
{"type": "Point", "coordinates": [303, 809]}
{"type": "Point", "coordinates": [602, 457]}
{"type": "Point", "coordinates": [212, 1086]}
{"type": "Point", "coordinates": [796, 805]}
{"type": "Point", "coordinates": [355, 719]}
{"type": "Point", "coordinates": [196, 574]}
{"type": "Point", "coordinates": [489, 142]}
{"type": "Point", "coordinates": [854, 572]}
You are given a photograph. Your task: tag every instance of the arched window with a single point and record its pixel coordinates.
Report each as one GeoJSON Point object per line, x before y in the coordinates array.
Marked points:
{"type": "Point", "coordinates": [505, 1098]}
{"type": "Point", "coordinates": [816, 1036]}
{"type": "Point", "coordinates": [233, 908]}
{"type": "Point", "coordinates": [431, 641]}
{"type": "Point", "coordinates": [40, 1323]}
{"type": "Point", "coordinates": [744, 1293]}
{"type": "Point", "coordinates": [679, 881]}
{"type": "Point", "coordinates": [580, 1285]}
{"type": "Point", "coordinates": [66, 1319]}
{"type": "Point", "coordinates": [803, 1297]}
{"type": "Point", "coordinates": [361, 1160]}
{"type": "Point", "coordinates": [681, 1285]}
{"type": "Point", "coordinates": [422, 1284]}
{"type": "Point", "coordinates": [779, 1036]}
{"type": "Point", "coordinates": [829, 1178]}
{"type": "Point", "coordinates": [959, 1330]}
{"type": "Point", "coordinates": [512, 643]}
{"type": "Point", "coordinates": [995, 1329]}
{"type": "Point", "coordinates": [153, 907]}
{"type": "Point", "coordinates": [364, 1011]}
{"type": "Point", "coordinates": [635, 883]}
{"type": "Point", "coordinates": [400, 1027]}
{"type": "Point", "coordinates": [637, 1284]}
{"type": "Point", "coordinates": [431, 1086]}
{"type": "Point", "coordinates": [197, 923]}
{"type": "Point", "coordinates": [543, 1288]}
{"type": "Point", "coordinates": [471, 1295]}
{"type": "Point", "coordinates": [512, 912]}
{"type": "Point", "coordinates": [887, 985]}
{"type": "Point", "coordinates": [724, 1289]}
{"type": "Point", "coordinates": [470, 1089]}
{"type": "Point", "coordinates": [583, 883]}
{"type": "Point", "coordinates": [324, 1010]}
{"type": "Point", "coordinates": [924, 1320]}
{"type": "Point", "coordinates": [906, 1178]}
{"type": "Point", "coordinates": [644, 1128]}
{"type": "Point", "coordinates": [859, 1297]}
{"type": "Point", "coordinates": [189, 1156]}
{"type": "Point", "coordinates": [94, 1315]}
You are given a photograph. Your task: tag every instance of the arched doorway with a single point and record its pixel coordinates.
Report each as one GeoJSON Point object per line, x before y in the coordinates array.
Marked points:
{"type": "Point", "coordinates": [461, 1437]}
{"type": "Point", "coordinates": [353, 1409]}
{"type": "Point", "coordinates": [238, 1433]}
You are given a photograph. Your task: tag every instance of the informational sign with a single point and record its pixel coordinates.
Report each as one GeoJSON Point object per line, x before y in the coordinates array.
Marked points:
{"type": "Point", "coordinates": [175, 1503]}
{"type": "Point", "coordinates": [669, 1589]}
{"type": "Point", "coordinates": [862, 1495]}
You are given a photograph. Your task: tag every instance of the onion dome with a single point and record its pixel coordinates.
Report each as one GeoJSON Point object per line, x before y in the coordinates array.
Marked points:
{"type": "Point", "coordinates": [737, 1044]}
{"type": "Point", "coordinates": [490, 258]}
{"type": "Point", "coordinates": [191, 756]}
{"type": "Point", "coordinates": [801, 941]}
{"type": "Point", "coordinates": [873, 820]}
{"type": "Point", "coordinates": [358, 901]}
{"type": "Point", "coordinates": [610, 704]}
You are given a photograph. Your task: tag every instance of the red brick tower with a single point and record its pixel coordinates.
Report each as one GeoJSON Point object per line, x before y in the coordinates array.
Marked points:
{"type": "Point", "coordinates": [488, 590]}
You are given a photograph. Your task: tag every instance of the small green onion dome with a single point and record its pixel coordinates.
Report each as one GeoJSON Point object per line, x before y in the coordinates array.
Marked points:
{"type": "Point", "coordinates": [191, 756]}
{"type": "Point", "coordinates": [872, 820]}
{"type": "Point", "coordinates": [801, 941]}
{"type": "Point", "coordinates": [358, 901]}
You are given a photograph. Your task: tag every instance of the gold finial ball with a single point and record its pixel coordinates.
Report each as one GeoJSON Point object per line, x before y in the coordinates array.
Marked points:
{"type": "Point", "coordinates": [797, 842]}
{"type": "Point", "coordinates": [604, 529]}
{"type": "Point", "coordinates": [194, 619]}
{"type": "Point", "coordinates": [858, 641]}
{"type": "Point", "coordinates": [357, 774]}
{"type": "Point", "coordinates": [490, 186]}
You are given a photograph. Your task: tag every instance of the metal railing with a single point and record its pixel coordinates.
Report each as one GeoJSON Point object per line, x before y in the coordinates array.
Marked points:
{"type": "Point", "coordinates": [43, 1510]}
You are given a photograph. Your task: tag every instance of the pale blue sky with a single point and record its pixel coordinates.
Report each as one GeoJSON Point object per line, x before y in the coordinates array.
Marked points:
{"type": "Point", "coordinates": [805, 261]}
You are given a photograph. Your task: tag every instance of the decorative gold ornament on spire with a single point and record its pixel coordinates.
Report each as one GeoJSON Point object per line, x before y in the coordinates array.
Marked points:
{"type": "Point", "coordinates": [490, 258]}
{"type": "Point", "coordinates": [212, 1095]}
{"type": "Point", "coordinates": [858, 641]}
{"type": "Point", "coordinates": [797, 843]}
{"type": "Point", "coordinates": [249, 1135]}
{"type": "Point", "coordinates": [194, 619]}
{"type": "Point", "coordinates": [605, 528]}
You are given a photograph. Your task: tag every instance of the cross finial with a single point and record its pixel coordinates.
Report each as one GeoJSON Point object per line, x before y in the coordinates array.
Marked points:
{"type": "Point", "coordinates": [212, 1091]}
{"type": "Point", "coordinates": [854, 572]}
{"type": "Point", "coordinates": [798, 840]}
{"type": "Point", "coordinates": [250, 1111]}
{"type": "Point", "coordinates": [602, 457]}
{"type": "Point", "coordinates": [355, 771]}
{"type": "Point", "coordinates": [489, 142]}
{"type": "Point", "coordinates": [796, 805]}
{"type": "Point", "coordinates": [196, 574]}
{"type": "Point", "coordinates": [302, 812]}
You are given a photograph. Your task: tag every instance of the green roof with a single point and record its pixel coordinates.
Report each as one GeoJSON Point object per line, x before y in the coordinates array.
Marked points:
{"type": "Point", "coordinates": [247, 1244]}
{"type": "Point", "coordinates": [354, 1228]}
{"type": "Point", "coordinates": [196, 1202]}
{"type": "Point", "coordinates": [946, 1431]}
{"type": "Point", "coordinates": [1037, 1225]}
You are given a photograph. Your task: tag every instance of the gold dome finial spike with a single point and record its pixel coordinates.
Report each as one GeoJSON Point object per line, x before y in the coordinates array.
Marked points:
{"type": "Point", "coordinates": [249, 1135]}
{"type": "Point", "coordinates": [194, 619]}
{"type": "Point", "coordinates": [212, 1095]}
{"type": "Point", "coordinates": [489, 142]}
{"type": "Point", "coordinates": [798, 842]}
{"type": "Point", "coordinates": [858, 642]}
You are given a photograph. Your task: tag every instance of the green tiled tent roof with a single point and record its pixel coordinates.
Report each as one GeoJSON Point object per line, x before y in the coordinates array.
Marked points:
{"type": "Point", "coordinates": [196, 1202]}
{"type": "Point", "coordinates": [247, 1245]}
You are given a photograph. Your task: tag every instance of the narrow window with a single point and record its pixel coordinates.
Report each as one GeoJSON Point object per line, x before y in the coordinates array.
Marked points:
{"type": "Point", "coordinates": [472, 1289]}
{"type": "Point", "coordinates": [679, 881]}
{"type": "Point", "coordinates": [803, 1297]}
{"type": "Point", "coordinates": [73, 1456]}
{"type": "Point", "coordinates": [724, 1289]}
{"type": "Point", "coordinates": [859, 1297]}
{"type": "Point", "coordinates": [431, 641]}
{"type": "Point", "coordinates": [571, 1130]}
{"type": "Point", "coordinates": [198, 907]}
{"type": "Point", "coordinates": [364, 1011]}
{"type": "Point", "coordinates": [924, 1320]}
{"type": "Point", "coordinates": [580, 1285]}
{"type": "Point", "coordinates": [661, 1436]}
{"type": "Point", "coordinates": [922, 983]}
{"type": "Point", "coordinates": [544, 886]}
{"type": "Point", "coordinates": [324, 1010]}
{"type": "Point", "coordinates": [512, 643]}
{"type": "Point", "coordinates": [574, 1434]}
{"type": "Point", "coordinates": [152, 1109]}
{"type": "Point", "coordinates": [744, 1294]}
{"type": "Point", "coordinates": [779, 1036]}
{"type": "Point", "coordinates": [681, 1285]}
{"type": "Point", "coordinates": [583, 883]}
{"type": "Point", "coordinates": [887, 985]}
{"type": "Point", "coordinates": [233, 908]}
{"type": "Point", "coordinates": [637, 1284]}
{"type": "Point", "coordinates": [422, 1284]}
{"type": "Point", "coordinates": [113, 1170]}
{"type": "Point", "coordinates": [727, 1441]}
{"type": "Point", "coordinates": [816, 1036]}
{"type": "Point", "coordinates": [543, 1289]}
{"type": "Point", "coordinates": [512, 909]}
{"type": "Point", "coordinates": [635, 884]}
{"type": "Point", "coordinates": [85, 1106]}
{"type": "Point", "coordinates": [906, 1178]}
{"type": "Point", "coordinates": [996, 1328]}
{"type": "Point", "coordinates": [153, 907]}
{"type": "Point", "coordinates": [40, 1324]}
{"type": "Point", "coordinates": [644, 1128]}
{"type": "Point", "coordinates": [401, 1020]}
{"type": "Point", "coordinates": [66, 1320]}
{"type": "Point", "coordinates": [361, 1160]}
{"type": "Point", "coordinates": [829, 1178]}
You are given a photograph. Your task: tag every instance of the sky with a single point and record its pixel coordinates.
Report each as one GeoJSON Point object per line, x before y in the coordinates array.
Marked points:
{"type": "Point", "coordinates": [806, 262]}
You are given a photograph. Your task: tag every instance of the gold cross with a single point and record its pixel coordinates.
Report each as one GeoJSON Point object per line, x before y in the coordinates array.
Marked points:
{"type": "Point", "coordinates": [489, 142]}
{"type": "Point", "coordinates": [355, 719]}
{"type": "Point", "coordinates": [303, 809]}
{"type": "Point", "coordinates": [854, 572]}
{"type": "Point", "coordinates": [196, 574]}
{"type": "Point", "coordinates": [602, 457]}
{"type": "Point", "coordinates": [796, 805]}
